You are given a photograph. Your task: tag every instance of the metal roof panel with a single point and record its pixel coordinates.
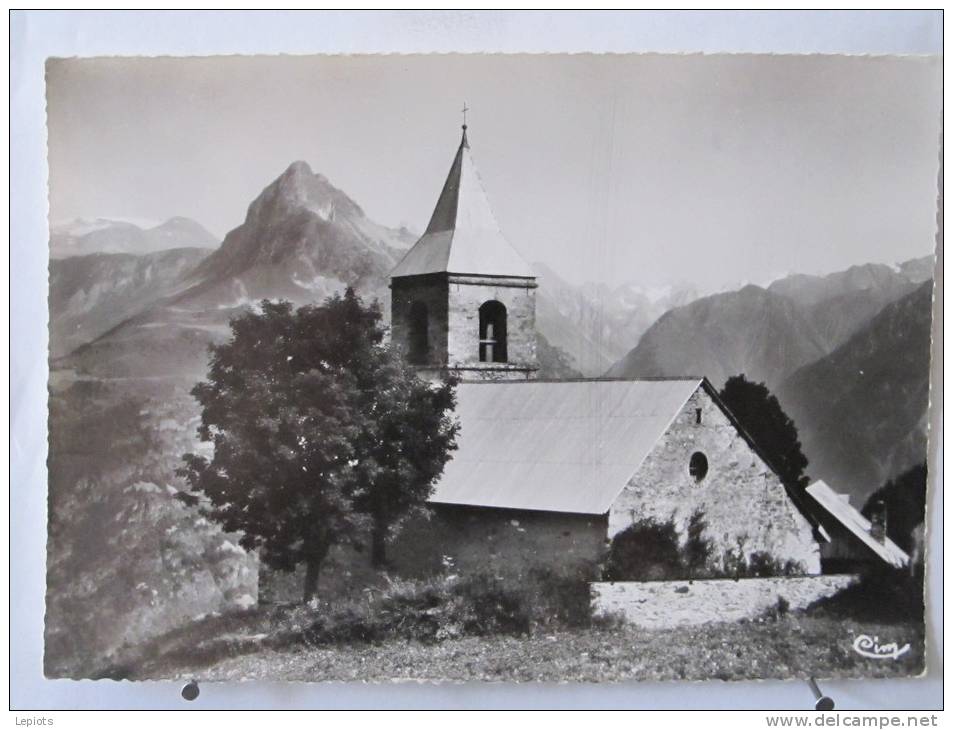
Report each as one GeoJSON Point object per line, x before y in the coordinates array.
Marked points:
{"type": "Point", "coordinates": [845, 513]}
{"type": "Point", "coordinates": [556, 446]}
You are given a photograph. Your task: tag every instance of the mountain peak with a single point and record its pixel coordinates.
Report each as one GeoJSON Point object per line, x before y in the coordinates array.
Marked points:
{"type": "Point", "coordinates": [179, 226]}
{"type": "Point", "coordinates": [300, 236]}
{"type": "Point", "coordinates": [299, 188]}
{"type": "Point", "coordinates": [298, 168]}
{"type": "Point", "coordinates": [752, 290]}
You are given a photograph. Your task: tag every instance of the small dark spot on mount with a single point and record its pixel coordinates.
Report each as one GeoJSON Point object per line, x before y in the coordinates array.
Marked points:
{"type": "Point", "coordinates": [190, 691]}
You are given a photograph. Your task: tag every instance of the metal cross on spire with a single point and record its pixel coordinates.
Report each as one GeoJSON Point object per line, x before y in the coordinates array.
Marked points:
{"type": "Point", "coordinates": [465, 110]}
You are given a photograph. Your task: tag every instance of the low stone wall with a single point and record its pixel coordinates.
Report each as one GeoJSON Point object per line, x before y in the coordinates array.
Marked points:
{"type": "Point", "coordinates": [667, 604]}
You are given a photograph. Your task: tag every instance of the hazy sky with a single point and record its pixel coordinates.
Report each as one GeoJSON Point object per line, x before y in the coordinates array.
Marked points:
{"type": "Point", "coordinates": [649, 168]}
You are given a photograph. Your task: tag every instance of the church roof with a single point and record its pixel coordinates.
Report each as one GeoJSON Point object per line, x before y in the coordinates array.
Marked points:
{"type": "Point", "coordinates": [463, 237]}
{"type": "Point", "coordinates": [568, 446]}
{"type": "Point", "coordinates": [840, 508]}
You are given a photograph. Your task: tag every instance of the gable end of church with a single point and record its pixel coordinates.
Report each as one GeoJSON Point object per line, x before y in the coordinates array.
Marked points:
{"type": "Point", "coordinates": [704, 463]}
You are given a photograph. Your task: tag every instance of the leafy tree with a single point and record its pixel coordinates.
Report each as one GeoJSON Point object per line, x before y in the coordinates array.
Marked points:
{"type": "Point", "coordinates": [903, 501]}
{"type": "Point", "coordinates": [404, 444]}
{"type": "Point", "coordinates": [319, 432]}
{"type": "Point", "coordinates": [762, 418]}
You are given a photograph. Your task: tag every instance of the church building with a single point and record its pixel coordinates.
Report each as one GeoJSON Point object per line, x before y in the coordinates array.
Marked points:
{"type": "Point", "coordinates": [547, 472]}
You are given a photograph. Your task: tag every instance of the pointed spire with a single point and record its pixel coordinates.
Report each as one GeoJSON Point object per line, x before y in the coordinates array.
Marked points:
{"type": "Point", "coordinates": [463, 142]}
{"type": "Point", "coordinates": [463, 236]}
{"type": "Point", "coordinates": [444, 216]}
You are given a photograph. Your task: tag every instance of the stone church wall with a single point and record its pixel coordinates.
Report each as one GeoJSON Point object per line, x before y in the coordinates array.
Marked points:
{"type": "Point", "coordinates": [431, 291]}
{"type": "Point", "coordinates": [461, 540]}
{"type": "Point", "coordinates": [508, 543]}
{"type": "Point", "coordinates": [745, 506]}
{"type": "Point", "coordinates": [463, 339]}
{"type": "Point", "coordinates": [453, 327]}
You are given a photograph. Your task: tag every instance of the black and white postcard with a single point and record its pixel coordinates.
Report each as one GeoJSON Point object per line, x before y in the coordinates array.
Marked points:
{"type": "Point", "coordinates": [450, 367]}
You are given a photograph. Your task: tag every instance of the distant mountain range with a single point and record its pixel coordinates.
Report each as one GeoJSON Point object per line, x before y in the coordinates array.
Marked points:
{"type": "Point", "coordinates": [302, 240]}
{"type": "Point", "coordinates": [862, 410]}
{"type": "Point", "coordinates": [103, 235]}
{"type": "Point", "coordinates": [595, 324]}
{"type": "Point", "coordinates": [840, 303]}
{"type": "Point", "coordinates": [890, 280]}
{"type": "Point", "coordinates": [769, 333]}
{"type": "Point", "coordinates": [89, 295]}
{"type": "Point", "coordinates": [749, 331]}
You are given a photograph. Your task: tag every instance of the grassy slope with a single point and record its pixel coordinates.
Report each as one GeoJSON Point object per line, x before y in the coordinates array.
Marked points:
{"type": "Point", "coordinates": [266, 644]}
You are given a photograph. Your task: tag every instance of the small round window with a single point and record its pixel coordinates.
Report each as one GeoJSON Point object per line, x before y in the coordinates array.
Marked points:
{"type": "Point", "coordinates": [698, 466]}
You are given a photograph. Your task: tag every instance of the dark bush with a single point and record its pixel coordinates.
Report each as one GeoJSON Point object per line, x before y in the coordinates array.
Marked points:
{"type": "Point", "coordinates": [778, 611]}
{"type": "Point", "coordinates": [884, 594]}
{"type": "Point", "coordinates": [783, 606]}
{"type": "Point", "coordinates": [650, 550]}
{"type": "Point", "coordinates": [903, 501]}
{"type": "Point", "coordinates": [561, 599]}
{"type": "Point", "coordinates": [344, 624]}
{"type": "Point", "coordinates": [613, 621]}
{"type": "Point", "coordinates": [492, 607]}
{"type": "Point", "coordinates": [763, 565]}
{"type": "Point", "coordinates": [646, 550]}
{"type": "Point", "coordinates": [759, 564]}
{"type": "Point", "coordinates": [426, 611]}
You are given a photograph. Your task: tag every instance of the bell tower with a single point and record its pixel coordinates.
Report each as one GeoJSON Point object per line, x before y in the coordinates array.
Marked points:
{"type": "Point", "coordinates": [463, 300]}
